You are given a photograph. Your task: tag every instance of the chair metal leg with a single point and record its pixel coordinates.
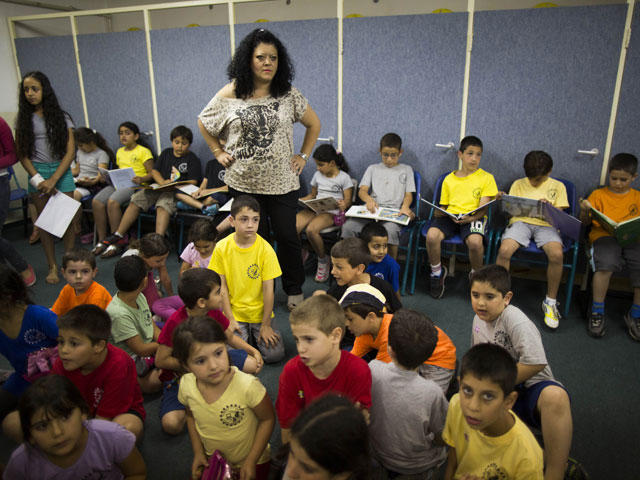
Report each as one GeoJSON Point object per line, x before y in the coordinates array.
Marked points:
{"type": "Point", "coordinates": [25, 216]}
{"type": "Point", "coordinates": [407, 263]}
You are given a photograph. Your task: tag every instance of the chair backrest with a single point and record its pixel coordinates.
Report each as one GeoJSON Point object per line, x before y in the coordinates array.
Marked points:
{"type": "Point", "coordinates": [354, 196]}
{"type": "Point", "coordinates": [415, 204]}
{"type": "Point", "coordinates": [572, 195]}
{"type": "Point", "coordinates": [12, 174]}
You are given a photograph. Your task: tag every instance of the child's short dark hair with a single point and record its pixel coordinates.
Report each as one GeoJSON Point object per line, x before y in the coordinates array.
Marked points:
{"type": "Point", "coordinates": [182, 131]}
{"type": "Point", "coordinates": [244, 201]}
{"type": "Point", "coordinates": [354, 250]}
{"type": "Point", "coordinates": [362, 310]}
{"type": "Point", "coordinates": [88, 320]}
{"type": "Point", "coordinates": [470, 141]}
{"type": "Point", "coordinates": [495, 275]}
{"type": "Point", "coordinates": [624, 161]}
{"type": "Point", "coordinates": [195, 329]}
{"type": "Point", "coordinates": [537, 163]}
{"type": "Point", "coordinates": [373, 229]}
{"type": "Point", "coordinates": [491, 362]}
{"type": "Point", "coordinates": [197, 283]}
{"type": "Point", "coordinates": [413, 337]}
{"type": "Point", "coordinates": [56, 395]}
{"type": "Point", "coordinates": [152, 245]}
{"type": "Point", "coordinates": [320, 311]}
{"type": "Point", "coordinates": [203, 230]}
{"type": "Point", "coordinates": [78, 254]}
{"type": "Point", "coordinates": [391, 140]}
{"type": "Point", "coordinates": [12, 288]}
{"type": "Point", "coordinates": [129, 273]}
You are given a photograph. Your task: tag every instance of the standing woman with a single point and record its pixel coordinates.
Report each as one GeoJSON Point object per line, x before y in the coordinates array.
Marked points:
{"type": "Point", "coordinates": [45, 146]}
{"type": "Point", "coordinates": [254, 116]}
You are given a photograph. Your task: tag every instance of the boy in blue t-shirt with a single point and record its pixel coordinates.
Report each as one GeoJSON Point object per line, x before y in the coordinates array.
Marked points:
{"type": "Point", "coordinates": [382, 265]}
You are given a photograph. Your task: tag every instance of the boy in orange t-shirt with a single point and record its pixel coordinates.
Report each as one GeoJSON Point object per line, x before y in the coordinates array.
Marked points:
{"type": "Point", "coordinates": [363, 306]}
{"type": "Point", "coordinates": [619, 202]}
{"type": "Point", "coordinates": [79, 269]}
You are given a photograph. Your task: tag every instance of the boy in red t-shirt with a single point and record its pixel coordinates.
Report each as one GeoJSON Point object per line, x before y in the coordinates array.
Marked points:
{"type": "Point", "coordinates": [199, 290]}
{"type": "Point", "coordinates": [105, 375]}
{"type": "Point", "coordinates": [364, 307]}
{"type": "Point", "coordinates": [320, 367]}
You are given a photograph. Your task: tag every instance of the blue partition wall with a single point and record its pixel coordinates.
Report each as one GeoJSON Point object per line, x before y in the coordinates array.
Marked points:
{"type": "Point", "coordinates": [116, 79]}
{"type": "Point", "coordinates": [55, 57]}
{"type": "Point", "coordinates": [543, 79]}
{"type": "Point", "coordinates": [189, 66]}
{"type": "Point", "coordinates": [313, 47]}
{"type": "Point", "coordinates": [626, 137]}
{"type": "Point", "coordinates": [404, 74]}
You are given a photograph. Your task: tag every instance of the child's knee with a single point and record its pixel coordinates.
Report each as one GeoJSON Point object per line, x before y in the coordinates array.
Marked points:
{"type": "Point", "coordinates": [250, 365]}
{"type": "Point", "coordinates": [11, 427]}
{"type": "Point", "coordinates": [434, 236]}
{"type": "Point", "coordinates": [131, 422]}
{"type": "Point", "coordinates": [111, 203]}
{"type": "Point", "coordinates": [273, 353]}
{"type": "Point", "coordinates": [554, 400]}
{"type": "Point", "coordinates": [173, 422]}
{"type": "Point", "coordinates": [475, 243]}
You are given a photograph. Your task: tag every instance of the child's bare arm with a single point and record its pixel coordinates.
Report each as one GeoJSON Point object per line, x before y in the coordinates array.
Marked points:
{"type": "Point", "coordinates": [363, 194]}
{"type": "Point", "coordinates": [156, 332]}
{"type": "Point", "coordinates": [226, 304]}
{"type": "Point", "coordinates": [140, 348]}
{"type": "Point", "coordinates": [267, 334]}
{"type": "Point", "coordinates": [345, 204]}
{"type": "Point", "coordinates": [585, 212]}
{"type": "Point", "coordinates": [313, 194]}
{"type": "Point", "coordinates": [525, 372]}
{"type": "Point", "coordinates": [199, 456]}
{"type": "Point", "coordinates": [452, 464]}
{"type": "Point", "coordinates": [238, 343]}
{"type": "Point", "coordinates": [166, 360]}
{"type": "Point", "coordinates": [266, 421]}
{"type": "Point", "coordinates": [133, 467]}
{"type": "Point", "coordinates": [406, 205]}
{"type": "Point", "coordinates": [285, 435]}
{"type": "Point", "coordinates": [479, 214]}
{"type": "Point", "coordinates": [157, 177]}
{"type": "Point", "coordinates": [165, 280]}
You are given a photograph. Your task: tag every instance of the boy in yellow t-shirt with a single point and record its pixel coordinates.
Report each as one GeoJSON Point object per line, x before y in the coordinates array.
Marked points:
{"type": "Point", "coordinates": [487, 439]}
{"type": "Point", "coordinates": [619, 202]}
{"type": "Point", "coordinates": [462, 191]}
{"type": "Point", "coordinates": [248, 267]}
{"type": "Point", "coordinates": [521, 230]}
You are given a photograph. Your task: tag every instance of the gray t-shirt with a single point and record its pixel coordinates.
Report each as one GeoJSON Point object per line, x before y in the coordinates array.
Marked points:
{"type": "Point", "coordinates": [127, 322]}
{"type": "Point", "coordinates": [388, 186]}
{"type": "Point", "coordinates": [41, 151]}
{"type": "Point", "coordinates": [89, 162]}
{"type": "Point", "coordinates": [406, 413]}
{"type": "Point", "coordinates": [519, 336]}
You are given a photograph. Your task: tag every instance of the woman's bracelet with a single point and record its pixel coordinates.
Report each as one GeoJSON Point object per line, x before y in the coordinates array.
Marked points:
{"type": "Point", "coordinates": [304, 156]}
{"type": "Point", "coordinates": [216, 150]}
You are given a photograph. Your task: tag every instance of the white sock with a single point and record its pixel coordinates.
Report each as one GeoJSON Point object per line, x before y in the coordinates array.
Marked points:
{"type": "Point", "coordinates": [550, 301]}
{"type": "Point", "coordinates": [436, 270]}
{"type": "Point", "coordinates": [323, 260]}
{"type": "Point", "coordinates": [118, 234]}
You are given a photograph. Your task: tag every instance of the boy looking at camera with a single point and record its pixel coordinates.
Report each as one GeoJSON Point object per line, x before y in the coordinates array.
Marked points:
{"type": "Point", "coordinates": [382, 264]}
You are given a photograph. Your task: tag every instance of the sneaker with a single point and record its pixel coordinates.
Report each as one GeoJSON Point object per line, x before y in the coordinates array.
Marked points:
{"type": "Point", "coordinates": [633, 324]}
{"type": "Point", "coordinates": [211, 210]}
{"type": "Point", "coordinates": [551, 315]}
{"type": "Point", "coordinates": [322, 274]}
{"type": "Point", "coordinates": [575, 471]}
{"type": "Point", "coordinates": [436, 284]}
{"type": "Point", "coordinates": [183, 206]}
{"type": "Point", "coordinates": [596, 325]}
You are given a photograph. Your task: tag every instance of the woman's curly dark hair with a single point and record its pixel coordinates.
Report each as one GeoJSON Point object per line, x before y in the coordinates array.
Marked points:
{"type": "Point", "coordinates": [239, 69]}
{"type": "Point", "coordinates": [54, 120]}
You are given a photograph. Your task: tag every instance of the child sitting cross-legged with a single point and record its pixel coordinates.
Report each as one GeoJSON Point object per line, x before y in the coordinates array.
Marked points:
{"type": "Point", "coordinates": [414, 419]}
{"type": "Point", "coordinates": [320, 367]}
{"type": "Point", "coordinates": [132, 326]}
{"type": "Point", "coordinates": [79, 270]}
{"type": "Point", "coordinates": [382, 265]}
{"type": "Point", "coordinates": [364, 309]}
{"type": "Point", "coordinates": [199, 289]}
{"type": "Point", "coordinates": [104, 374]}
{"type": "Point", "coordinates": [486, 439]}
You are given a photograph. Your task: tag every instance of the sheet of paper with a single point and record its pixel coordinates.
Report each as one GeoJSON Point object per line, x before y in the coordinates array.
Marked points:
{"type": "Point", "coordinates": [121, 178]}
{"type": "Point", "coordinates": [227, 206]}
{"type": "Point", "coordinates": [57, 214]}
{"type": "Point", "coordinates": [188, 189]}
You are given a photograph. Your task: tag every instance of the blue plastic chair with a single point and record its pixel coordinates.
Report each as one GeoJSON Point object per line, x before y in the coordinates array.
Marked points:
{"type": "Point", "coordinates": [19, 193]}
{"type": "Point", "coordinates": [569, 247]}
{"type": "Point", "coordinates": [450, 246]}
{"type": "Point", "coordinates": [411, 228]}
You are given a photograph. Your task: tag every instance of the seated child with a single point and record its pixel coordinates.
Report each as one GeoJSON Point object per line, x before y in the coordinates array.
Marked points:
{"type": "Point", "coordinates": [227, 410]}
{"type": "Point", "coordinates": [382, 265]}
{"type": "Point", "coordinates": [462, 191]}
{"type": "Point", "coordinates": [415, 419]}
{"type": "Point", "coordinates": [320, 367]}
{"type": "Point", "coordinates": [132, 327]}
{"type": "Point", "coordinates": [542, 401]}
{"type": "Point", "coordinates": [212, 193]}
{"type": "Point", "coordinates": [248, 267]}
{"type": "Point", "coordinates": [331, 180]}
{"type": "Point", "coordinates": [199, 289]}
{"type": "Point", "coordinates": [60, 442]}
{"type": "Point", "coordinates": [202, 241]}
{"type": "Point", "coordinates": [350, 258]}
{"type": "Point", "coordinates": [387, 184]}
{"type": "Point", "coordinates": [104, 374]}
{"type": "Point", "coordinates": [79, 270]}
{"type": "Point", "coordinates": [619, 202]}
{"type": "Point", "coordinates": [366, 319]}
{"type": "Point", "coordinates": [19, 314]}
{"type": "Point", "coordinates": [486, 439]}
{"type": "Point", "coordinates": [521, 230]}
{"type": "Point", "coordinates": [174, 163]}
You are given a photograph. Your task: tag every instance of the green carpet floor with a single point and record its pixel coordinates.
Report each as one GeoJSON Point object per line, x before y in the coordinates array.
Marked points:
{"type": "Point", "coordinates": [602, 376]}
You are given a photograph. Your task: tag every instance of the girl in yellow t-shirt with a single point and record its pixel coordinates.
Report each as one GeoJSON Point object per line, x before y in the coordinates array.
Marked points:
{"type": "Point", "coordinates": [227, 410]}
{"type": "Point", "coordinates": [107, 205]}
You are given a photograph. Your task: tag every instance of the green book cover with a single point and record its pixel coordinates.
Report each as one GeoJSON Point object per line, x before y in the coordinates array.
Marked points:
{"type": "Point", "coordinates": [627, 232]}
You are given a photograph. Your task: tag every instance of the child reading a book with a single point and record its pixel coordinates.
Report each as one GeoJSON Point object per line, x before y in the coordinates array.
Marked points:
{"type": "Point", "coordinates": [537, 185]}
{"type": "Point", "coordinates": [463, 191]}
{"type": "Point", "coordinates": [387, 184]}
{"type": "Point", "coordinates": [619, 202]}
{"type": "Point", "coordinates": [330, 180]}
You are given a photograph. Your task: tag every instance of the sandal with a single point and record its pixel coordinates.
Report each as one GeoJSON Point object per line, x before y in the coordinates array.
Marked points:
{"type": "Point", "coordinates": [294, 300]}
{"type": "Point", "coordinates": [99, 248]}
{"type": "Point", "coordinates": [110, 252]}
{"type": "Point", "coordinates": [35, 236]}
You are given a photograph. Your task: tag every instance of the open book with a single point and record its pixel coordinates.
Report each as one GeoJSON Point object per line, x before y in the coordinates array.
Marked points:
{"type": "Point", "coordinates": [119, 177]}
{"type": "Point", "coordinates": [381, 214]}
{"type": "Point", "coordinates": [190, 188]}
{"type": "Point", "coordinates": [157, 186]}
{"type": "Point", "coordinates": [320, 205]}
{"type": "Point", "coordinates": [527, 207]}
{"type": "Point", "coordinates": [457, 216]}
{"type": "Point", "coordinates": [627, 232]}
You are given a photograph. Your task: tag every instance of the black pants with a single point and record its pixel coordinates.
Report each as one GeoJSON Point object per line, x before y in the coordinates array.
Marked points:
{"type": "Point", "coordinates": [278, 215]}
